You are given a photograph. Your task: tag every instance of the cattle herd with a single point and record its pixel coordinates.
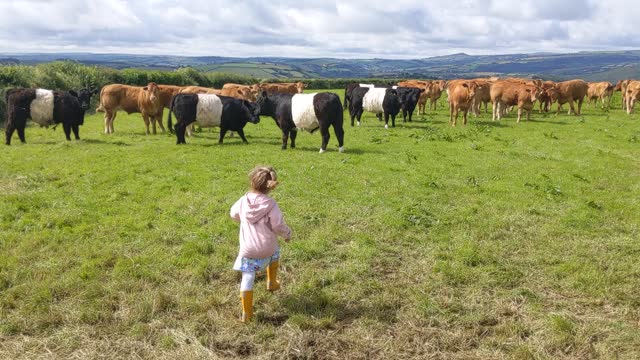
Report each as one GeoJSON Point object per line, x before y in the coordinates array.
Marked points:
{"type": "Point", "coordinates": [233, 106]}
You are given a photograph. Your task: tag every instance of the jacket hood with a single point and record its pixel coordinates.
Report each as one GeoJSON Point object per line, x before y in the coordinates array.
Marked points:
{"type": "Point", "coordinates": [256, 206]}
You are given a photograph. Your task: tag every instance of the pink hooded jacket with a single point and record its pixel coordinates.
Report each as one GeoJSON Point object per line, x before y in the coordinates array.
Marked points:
{"type": "Point", "coordinates": [261, 222]}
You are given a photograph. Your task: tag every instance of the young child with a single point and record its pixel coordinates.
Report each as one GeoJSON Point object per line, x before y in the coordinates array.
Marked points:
{"type": "Point", "coordinates": [261, 222]}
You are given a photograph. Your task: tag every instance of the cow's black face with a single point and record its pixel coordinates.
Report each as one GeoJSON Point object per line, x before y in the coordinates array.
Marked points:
{"type": "Point", "coordinates": [254, 112]}
{"type": "Point", "coordinates": [261, 102]}
{"type": "Point", "coordinates": [84, 96]}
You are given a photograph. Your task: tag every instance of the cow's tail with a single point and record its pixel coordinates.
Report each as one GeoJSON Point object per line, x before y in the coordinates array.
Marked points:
{"type": "Point", "coordinates": [100, 108]}
{"type": "Point", "coordinates": [169, 123]}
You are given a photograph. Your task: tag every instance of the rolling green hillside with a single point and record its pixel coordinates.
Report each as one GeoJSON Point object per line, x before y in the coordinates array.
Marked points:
{"type": "Point", "coordinates": [610, 66]}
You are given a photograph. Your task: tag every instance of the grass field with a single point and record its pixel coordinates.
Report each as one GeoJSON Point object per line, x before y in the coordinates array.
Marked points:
{"type": "Point", "coordinates": [490, 241]}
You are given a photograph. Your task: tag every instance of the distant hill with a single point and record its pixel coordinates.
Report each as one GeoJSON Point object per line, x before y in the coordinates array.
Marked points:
{"type": "Point", "coordinates": [590, 66]}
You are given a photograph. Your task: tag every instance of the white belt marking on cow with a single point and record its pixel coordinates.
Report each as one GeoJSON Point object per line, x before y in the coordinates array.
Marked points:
{"type": "Point", "coordinates": [303, 112]}
{"type": "Point", "coordinates": [209, 110]}
{"type": "Point", "coordinates": [42, 107]}
{"type": "Point", "coordinates": [371, 86]}
{"type": "Point", "coordinates": [373, 99]}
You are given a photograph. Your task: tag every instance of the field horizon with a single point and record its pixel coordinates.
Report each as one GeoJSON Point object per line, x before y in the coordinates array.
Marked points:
{"type": "Point", "coordinates": [494, 240]}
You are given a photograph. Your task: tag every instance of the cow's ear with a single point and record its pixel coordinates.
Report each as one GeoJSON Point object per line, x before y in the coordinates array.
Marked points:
{"type": "Point", "coordinates": [264, 93]}
{"type": "Point", "coordinates": [72, 92]}
{"type": "Point", "coordinates": [465, 85]}
{"type": "Point", "coordinates": [528, 90]}
{"type": "Point", "coordinates": [145, 88]}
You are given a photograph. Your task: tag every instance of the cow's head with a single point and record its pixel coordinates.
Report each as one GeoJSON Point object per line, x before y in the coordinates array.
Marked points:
{"type": "Point", "coordinates": [153, 91]}
{"type": "Point", "coordinates": [253, 110]}
{"type": "Point", "coordinates": [84, 96]}
{"type": "Point", "coordinates": [263, 103]}
{"type": "Point", "coordinates": [553, 93]}
{"type": "Point", "coordinates": [300, 87]}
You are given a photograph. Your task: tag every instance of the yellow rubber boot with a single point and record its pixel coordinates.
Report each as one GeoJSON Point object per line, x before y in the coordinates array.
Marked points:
{"type": "Point", "coordinates": [272, 276]}
{"type": "Point", "coordinates": [247, 305]}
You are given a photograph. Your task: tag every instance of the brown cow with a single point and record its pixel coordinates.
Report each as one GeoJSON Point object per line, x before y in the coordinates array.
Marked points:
{"type": "Point", "coordinates": [568, 92]}
{"type": "Point", "coordinates": [505, 93]}
{"type": "Point", "coordinates": [600, 91]}
{"type": "Point", "coordinates": [632, 94]}
{"type": "Point", "coordinates": [622, 87]}
{"type": "Point", "coordinates": [238, 93]}
{"type": "Point", "coordinates": [250, 92]}
{"type": "Point", "coordinates": [483, 96]}
{"type": "Point", "coordinates": [437, 88]}
{"type": "Point", "coordinates": [167, 92]}
{"type": "Point", "coordinates": [283, 88]}
{"type": "Point", "coordinates": [132, 99]}
{"type": "Point", "coordinates": [461, 94]}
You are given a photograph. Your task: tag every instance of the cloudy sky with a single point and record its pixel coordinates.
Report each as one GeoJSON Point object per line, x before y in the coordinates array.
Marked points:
{"type": "Point", "coordinates": [317, 28]}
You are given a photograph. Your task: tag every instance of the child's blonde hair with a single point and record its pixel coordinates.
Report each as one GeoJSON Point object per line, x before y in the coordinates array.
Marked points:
{"type": "Point", "coordinates": [263, 179]}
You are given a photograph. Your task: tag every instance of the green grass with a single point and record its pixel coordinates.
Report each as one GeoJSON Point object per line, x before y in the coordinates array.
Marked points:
{"type": "Point", "coordinates": [494, 240]}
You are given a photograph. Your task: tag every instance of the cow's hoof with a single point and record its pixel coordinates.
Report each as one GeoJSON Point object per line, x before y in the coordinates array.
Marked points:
{"type": "Point", "coordinates": [322, 150]}
{"type": "Point", "coordinates": [341, 149]}
{"type": "Point", "coordinates": [386, 126]}
{"type": "Point", "coordinates": [358, 123]}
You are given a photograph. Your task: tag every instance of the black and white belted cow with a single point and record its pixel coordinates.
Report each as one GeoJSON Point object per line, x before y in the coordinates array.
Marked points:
{"type": "Point", "coordinates": [46, 108]}
{"type": "Point", "coordinates": [306, 112]}
{"type": "Point", "coordinates": [209, 110]}
{"type": "Point", "coordinates": [375, 100]}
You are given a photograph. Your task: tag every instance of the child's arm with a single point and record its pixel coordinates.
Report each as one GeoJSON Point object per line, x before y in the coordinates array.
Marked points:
{"type": "Point", "coordinates": [235, 211]}
{"type": "Point", "coordinates": [277, 223]}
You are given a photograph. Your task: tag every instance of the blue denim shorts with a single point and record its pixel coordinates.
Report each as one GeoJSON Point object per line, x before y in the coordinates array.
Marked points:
{"type": "Point", "coordinates": [254, 265]}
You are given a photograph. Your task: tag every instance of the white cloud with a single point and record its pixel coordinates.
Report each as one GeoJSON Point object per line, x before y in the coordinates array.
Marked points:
{"type": "Point", "coordinates": [356, 28]}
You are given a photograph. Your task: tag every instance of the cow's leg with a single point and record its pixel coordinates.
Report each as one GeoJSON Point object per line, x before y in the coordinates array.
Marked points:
{"type": "Point", "coordinates": [285, 138]}
{"type": "Point", "coordinates": [379, 116]}
{"type": "Point", "coordinates": [145, 117]}
{"type": "Point", "coordinates": [404, 116]}
{"type": "Point", "coordinates": [111, 120]}
{"type": "Point", "coordinates": [324, 131]}
{"type": "Point", "coordinates": [528, 115]}
{"type": "Point", "coordinates": [572, 108]}
{"type": "Point", "coordinates": [244, 139]}
{"type": "Point", "coordinates": [519, 115]}
{"type": "Point", "coordinates": [464, 115]}
{"type": "Point", "coordinates": [493, 111]}
{"type": "Point", "coordinates": [223, 132]}
{"type": "Point", "coordinates": [292, 135]}
{"type": "Point", "coordinates": [393, 121]}
{"type": "Point", "coordinates": [180, 129]}
{"type": "Point", "coordinates": [9, 133]}
{"type": "Point", "coordinates": [580, 107]}
{"type": "Point", "coordinates": [451, 114]}
{"type": "Point", "coordinates": [339, 131]}
{"type": "Point", "coordinates": [76, 131]}
{"type": "Point", "coordinates": [107, 121]}
{"type": "Point", "coordinates": [159, 121]}
{"type": "Point", "coordinates": [20, 129]}
{"type": "Point", "coordinates": [67, 130]}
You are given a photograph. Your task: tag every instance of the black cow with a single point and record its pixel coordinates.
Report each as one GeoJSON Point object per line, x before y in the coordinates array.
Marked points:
{"type": "Point", "coordinates": [46, 108]}
{"type": "Point", "coordinates": [347, 94]}
{"type": "Point", "coordinates": [377, 100]}
{"type": "Point", "coordinates": [409, 97]}
{"type": "Point", "coordinates": [304, 111]}
{"type": "Point", "coordinates": [209, 110]}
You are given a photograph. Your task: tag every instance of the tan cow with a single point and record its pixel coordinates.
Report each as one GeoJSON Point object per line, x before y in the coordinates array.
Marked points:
{"type": "Point", "coordinates": [600, 91]}
{"type": "Point", "coordinates": [424, 96]}
{"type": "Point", "coordinates": [461, 94]}
{"type": "Point", "coordinates": [250, 92]}
{"type": "Point", "coordinates": [505, 93]}
{"type": "Point", "coordinates": [283, 88]}
{"type": "Point", "coordinates": [632, 95]}
{"type": "Point", "coordinates": [132, 99]}
{"type": "Point", "coordinates": [434, 95]}
{"type": "Point", "coordinates": [238, 93]}
{"type": "Point", "coordinates": [167, 92]}
{"type": "Point", "coordinates": [622, 87]}
{"type": "Point", "coordinates": [568, 92]}
{"type": "Point", "coordinates": [483, 96]}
